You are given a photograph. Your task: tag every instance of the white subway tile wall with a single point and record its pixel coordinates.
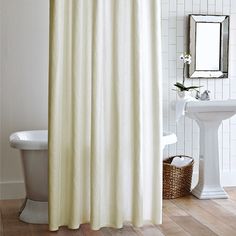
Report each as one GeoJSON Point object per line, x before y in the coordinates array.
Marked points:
{"type": "Point", "coordinates": [174, 37]}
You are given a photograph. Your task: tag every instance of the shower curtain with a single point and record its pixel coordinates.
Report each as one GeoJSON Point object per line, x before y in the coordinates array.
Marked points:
{"type": "Point", "coordinates": [105, 113]}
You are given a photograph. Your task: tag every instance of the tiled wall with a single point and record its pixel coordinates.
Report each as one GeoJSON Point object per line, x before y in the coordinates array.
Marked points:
{"type": "Point", "coordinates": [174, 38]}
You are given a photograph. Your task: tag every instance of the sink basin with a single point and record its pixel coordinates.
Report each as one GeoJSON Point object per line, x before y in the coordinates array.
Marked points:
{"type": "Point", "coordinates": [168, 138]}
{"type": "Point", "coordinates": [211, 106]}
{"type": "Point", "coordinates": [209, 115]}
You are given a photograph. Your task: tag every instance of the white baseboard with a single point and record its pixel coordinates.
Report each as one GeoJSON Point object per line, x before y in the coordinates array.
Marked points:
{"type": "Point", "coordinates": [12, 190]}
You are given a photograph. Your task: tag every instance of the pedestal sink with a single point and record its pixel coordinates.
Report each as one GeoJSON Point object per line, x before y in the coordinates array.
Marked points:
{"type": "Point", "coordinates": [209, 115]}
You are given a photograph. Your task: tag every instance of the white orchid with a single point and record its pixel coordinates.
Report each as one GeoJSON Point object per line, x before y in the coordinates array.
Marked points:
{"type": "Point", "coordinates": [186, 58]}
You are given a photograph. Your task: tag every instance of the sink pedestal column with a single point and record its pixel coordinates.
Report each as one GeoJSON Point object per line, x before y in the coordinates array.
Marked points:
{"type": "Point", "coordinates": [208, 115]}
{"type": "Point", "coordinates": [209, 185]}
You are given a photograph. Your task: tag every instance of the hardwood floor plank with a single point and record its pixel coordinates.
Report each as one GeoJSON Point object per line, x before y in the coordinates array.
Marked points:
{"type": "Point", "coordinates": [148, 230]}
{"type": "Point", "coordinates": [227, 204]}
{"type": "Point", "coordinates": [1, 225]}
{"type": "Point", "coordinates": [204, 217]}
{"type": "Point", "coordinates": [87, 231]}
{"type": "Point", "coordinates": [72, 232]}
{"type": "Point", "coordinates": [106, 231]}
{"type": "Point", "coordinates": [181, 217]}
{"type": "Point", "coordinates": [170, 228]}
{"type": "Point", "coordinates": [224, 215]}
{"type": "Point", "coordinates": [11, 224]}
{"type": "Point", "coordinates": [170, 209]}
{"type": "Point", "coordinates": [192, 226]}
{"type": "Point", "coordinates": [125, 231]}
{"type": "Point", "coordinates": [42, 230]}
{"type": "Point", "coordinates": [231, 192]}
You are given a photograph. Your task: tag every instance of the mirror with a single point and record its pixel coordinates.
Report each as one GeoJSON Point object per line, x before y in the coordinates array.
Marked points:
{"type": "Point", "coordinates": [209, 46]}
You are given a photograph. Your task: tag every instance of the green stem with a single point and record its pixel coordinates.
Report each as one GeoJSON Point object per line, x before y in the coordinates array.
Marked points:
{"type": "Point", "coordinates": [183, 73]}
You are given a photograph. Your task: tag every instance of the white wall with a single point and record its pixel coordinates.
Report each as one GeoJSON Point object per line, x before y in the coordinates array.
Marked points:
{"type": "Point", "coordinates": [23, 82]}
{"type": "Point", "coordinates": [174, 23]}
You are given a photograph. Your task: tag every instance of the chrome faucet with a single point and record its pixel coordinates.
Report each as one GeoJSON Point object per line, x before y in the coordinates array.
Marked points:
{"type": "Point", "coordinates": [205, 96]}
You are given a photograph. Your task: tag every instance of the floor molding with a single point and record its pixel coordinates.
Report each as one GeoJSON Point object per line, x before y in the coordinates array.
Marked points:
{"type": "Point", "coordinates": [12, 190]}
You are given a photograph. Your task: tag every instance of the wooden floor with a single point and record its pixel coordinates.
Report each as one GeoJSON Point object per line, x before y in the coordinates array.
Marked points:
{"type": "Point", "coordinates": [181, 217]}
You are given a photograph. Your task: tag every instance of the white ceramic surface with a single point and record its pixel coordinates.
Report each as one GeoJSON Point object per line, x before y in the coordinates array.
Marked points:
{"type": "Point", "coordinates": [168, 138]}
{"type": "Point", "coordinates": [30, 140]}
{"type": "Point", "coordinates": [184, 94]}
{"type": "Point", "coordinates": [33, 146]}
{"type": "Point", "coordinates": [209, 115]}
{"type": "Point", "coordinates": [34, 212]}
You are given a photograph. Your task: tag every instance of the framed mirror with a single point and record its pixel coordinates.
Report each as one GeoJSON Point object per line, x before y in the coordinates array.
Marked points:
{"type": "Point", "coordinates": [209, 46]}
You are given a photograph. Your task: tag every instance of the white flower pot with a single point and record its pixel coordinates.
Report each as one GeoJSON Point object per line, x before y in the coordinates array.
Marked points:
{"type": "Point", "coordinates": [184, 94]}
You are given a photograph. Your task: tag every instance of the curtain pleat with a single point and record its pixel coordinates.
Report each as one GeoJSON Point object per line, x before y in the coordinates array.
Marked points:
{"type": "Point", "coordinates": [105, 114]}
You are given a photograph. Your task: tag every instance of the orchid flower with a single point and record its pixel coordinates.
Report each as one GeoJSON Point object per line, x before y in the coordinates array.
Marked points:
{"type": "Point", "coordinates": [186, 58]}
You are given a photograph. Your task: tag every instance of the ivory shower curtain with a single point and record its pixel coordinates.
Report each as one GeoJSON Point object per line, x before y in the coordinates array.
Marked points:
{"type": "Point", "coordinates": [105, 113]}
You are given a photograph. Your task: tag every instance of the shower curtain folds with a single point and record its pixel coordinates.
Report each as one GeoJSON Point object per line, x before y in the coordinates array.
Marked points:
{"type": "Point", "coordinates": [105, 113]}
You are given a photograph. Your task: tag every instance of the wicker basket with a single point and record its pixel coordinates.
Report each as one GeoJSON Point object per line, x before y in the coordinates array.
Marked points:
{"type": "Point", "coordinates": [176, 181]}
